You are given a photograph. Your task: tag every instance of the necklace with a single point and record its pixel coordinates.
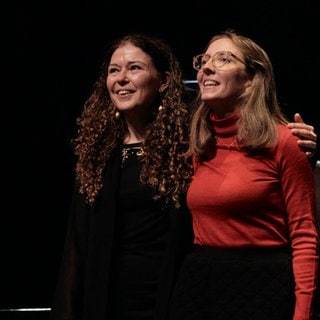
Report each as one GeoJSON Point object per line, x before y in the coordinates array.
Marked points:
{"type": "Point", "coordinates": [130, 151]}
{"type": "Point", "coordinates": [228, 145]}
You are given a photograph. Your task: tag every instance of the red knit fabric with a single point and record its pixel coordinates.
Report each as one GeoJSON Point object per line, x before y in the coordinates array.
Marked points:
{"type": "Point", "coordinates": [238, 200]}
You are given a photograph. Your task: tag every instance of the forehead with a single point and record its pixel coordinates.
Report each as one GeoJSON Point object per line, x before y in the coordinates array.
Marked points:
{"type": "Point", "coordinates": [128, 52]}
{"type": "Point", "coordinates": [223, 44]}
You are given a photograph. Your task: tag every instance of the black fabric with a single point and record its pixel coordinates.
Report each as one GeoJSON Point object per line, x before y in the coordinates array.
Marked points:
{"type": "Point", "coordinates": [244, 284]}
{"type": "Point", "coordinates": [138, 254]}
{"type": "Point", "coordinates": [84, 286]}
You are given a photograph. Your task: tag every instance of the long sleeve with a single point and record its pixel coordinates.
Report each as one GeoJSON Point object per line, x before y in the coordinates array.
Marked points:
{"type": "Point", "coordinates": [299, 195]}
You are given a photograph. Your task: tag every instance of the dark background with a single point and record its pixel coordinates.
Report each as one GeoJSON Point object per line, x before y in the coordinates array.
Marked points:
{"type": "Point", "coordinates": [51, 55]}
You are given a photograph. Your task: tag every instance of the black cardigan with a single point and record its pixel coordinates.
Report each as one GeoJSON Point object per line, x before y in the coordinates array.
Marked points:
{"type": "Point", "coordinates": [83, 281]}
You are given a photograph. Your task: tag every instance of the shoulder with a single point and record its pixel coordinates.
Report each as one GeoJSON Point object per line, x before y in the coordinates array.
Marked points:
{"type": "Point", "coordinates": [286, 138]}
{"type": "Point", "coordinates": [287, 149]}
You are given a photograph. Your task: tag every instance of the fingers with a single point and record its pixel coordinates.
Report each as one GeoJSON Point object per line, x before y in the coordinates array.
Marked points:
{"type": "Point", "coordinates": [299, 123]}
{"type": "Point", "coordinates": [309, 147]}
{"type": "Point", "coordinates": [305, 134]}
{"type": "Point", "coordinates": [307, 144]}
{"type": "Point", "coordinates": [300, 126]}
{"type": "Point", "coordinates": [301, 129]}
{"type": "Point", "coordinates": [297, 118]}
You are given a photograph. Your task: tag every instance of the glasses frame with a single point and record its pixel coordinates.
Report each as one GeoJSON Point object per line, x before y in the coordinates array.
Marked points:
{"type": "Point", "coordinates": [213, 58]}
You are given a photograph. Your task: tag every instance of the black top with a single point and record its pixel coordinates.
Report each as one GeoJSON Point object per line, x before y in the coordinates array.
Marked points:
{"type": "Point", "coordinates": [142, 235]}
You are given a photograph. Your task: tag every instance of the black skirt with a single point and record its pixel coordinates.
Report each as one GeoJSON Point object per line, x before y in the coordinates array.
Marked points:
{"type": "Point", "coordinates": [235, 284]}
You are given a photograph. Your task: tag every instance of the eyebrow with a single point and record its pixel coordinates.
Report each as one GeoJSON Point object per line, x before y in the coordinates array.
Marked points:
{"type": "Point", "coordinates": [129, 63]}
{"type": "Point", "coordinates": [232, 55]}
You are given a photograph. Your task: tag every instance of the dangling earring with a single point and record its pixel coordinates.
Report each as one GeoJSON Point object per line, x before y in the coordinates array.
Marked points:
{"type": "Point", "coordinates": [160, 96]}
{"type": "Point", "coordinates": [117, 115]}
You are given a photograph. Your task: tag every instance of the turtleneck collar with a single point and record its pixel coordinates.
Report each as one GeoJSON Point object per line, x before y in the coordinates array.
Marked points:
{"type": "Point", "coordinates": [225, 127]}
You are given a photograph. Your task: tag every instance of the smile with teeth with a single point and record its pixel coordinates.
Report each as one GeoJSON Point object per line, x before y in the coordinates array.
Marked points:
{"type": "Point", "coordinates": [123, 92]}
{"type": "Point", "coordinates": [209, 83]}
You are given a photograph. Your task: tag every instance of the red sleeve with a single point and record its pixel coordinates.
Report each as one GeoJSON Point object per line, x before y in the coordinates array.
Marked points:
{"type": "Point", "coordinates": [299, 195]}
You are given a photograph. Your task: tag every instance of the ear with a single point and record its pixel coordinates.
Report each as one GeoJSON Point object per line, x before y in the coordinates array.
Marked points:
{"type": "Point", "coordinates": [165, 79]}
{"type": "Point", "coordinates": [248, 84]}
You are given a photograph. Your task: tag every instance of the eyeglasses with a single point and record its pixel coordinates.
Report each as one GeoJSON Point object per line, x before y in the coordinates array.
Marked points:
{"type": "Point", "coordinates": [220, 60]}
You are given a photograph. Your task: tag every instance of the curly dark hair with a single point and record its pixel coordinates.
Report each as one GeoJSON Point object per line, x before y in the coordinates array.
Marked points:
{"type": "Point", "coordinates": [164, 165]}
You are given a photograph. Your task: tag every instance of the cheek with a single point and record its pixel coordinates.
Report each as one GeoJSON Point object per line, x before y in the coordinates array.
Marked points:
{"type": "Point", "coordinates": [238, 82]}
{"type": "Point", "coordinates": [199, 75]}
{"type": "Point", "coordinates": [109, 83]}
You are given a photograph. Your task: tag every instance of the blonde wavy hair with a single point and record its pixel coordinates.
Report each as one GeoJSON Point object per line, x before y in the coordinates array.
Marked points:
{"type": "Point", "coordinates": [260, 112]}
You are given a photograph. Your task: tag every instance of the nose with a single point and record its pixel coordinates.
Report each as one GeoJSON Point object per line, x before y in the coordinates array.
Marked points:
{"type": "Point", "coordinates": [122, 76]}
{"type": "Point", "coordinates": [208, 68]}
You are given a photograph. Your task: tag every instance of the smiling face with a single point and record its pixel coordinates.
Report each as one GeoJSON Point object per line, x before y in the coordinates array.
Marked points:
{"type": "Point", "coordinates": [133, 81]}
{"type": "Point", "coordinates": [221, 87]}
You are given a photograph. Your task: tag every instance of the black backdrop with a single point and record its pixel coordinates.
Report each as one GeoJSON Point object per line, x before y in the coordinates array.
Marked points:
{"type": "Point", "coordinates": [52, 52]}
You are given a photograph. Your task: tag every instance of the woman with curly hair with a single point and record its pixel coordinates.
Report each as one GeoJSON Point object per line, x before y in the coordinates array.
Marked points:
{"type": "Point", "coordinates": [129, 226]}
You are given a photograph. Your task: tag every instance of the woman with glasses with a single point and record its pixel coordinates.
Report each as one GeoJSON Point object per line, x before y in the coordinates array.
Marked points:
{"type": "Point", "coordinates": [252, 196]}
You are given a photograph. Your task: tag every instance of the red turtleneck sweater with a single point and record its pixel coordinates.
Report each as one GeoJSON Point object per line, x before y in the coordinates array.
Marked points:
{"type": "Point", "coordinates": [238, 200]}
